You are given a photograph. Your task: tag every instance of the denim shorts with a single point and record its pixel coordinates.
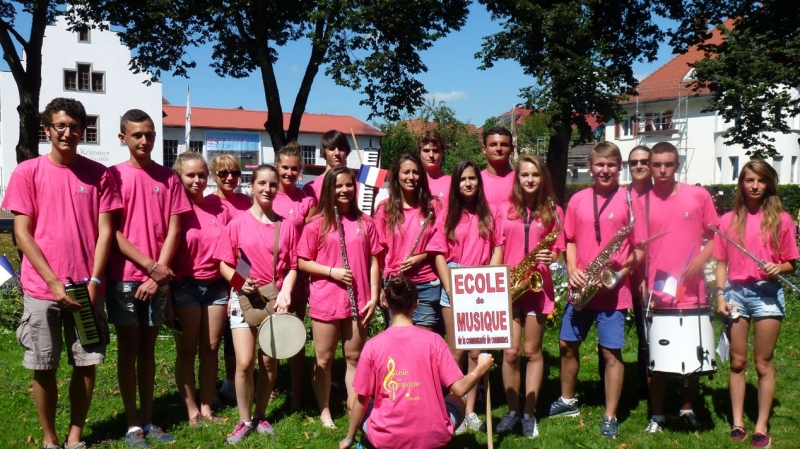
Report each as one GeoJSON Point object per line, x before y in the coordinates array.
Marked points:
{"type": "Point", "coordinates": [40, 330]}
{"type": "Point", "coordinates": [445, 300]}
{"type": "Point", "coordinates": [125, 310]}
{"type": "Point", "coordinates": [429, 310]}
{"type": "Point", "coordinates": [610, 326]}
{"type": "Point", "coordinates": [236, 315]}
{"type": "Point", "coordinates": [757, 300]}
{"type": "Point", "coordinates": [190, 292]}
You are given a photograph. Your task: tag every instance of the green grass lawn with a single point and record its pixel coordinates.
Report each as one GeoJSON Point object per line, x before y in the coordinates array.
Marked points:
{"type": "Point", "coordinates": [106, 422]}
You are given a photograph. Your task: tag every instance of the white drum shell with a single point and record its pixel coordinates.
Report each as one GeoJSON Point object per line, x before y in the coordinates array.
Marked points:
{"type": "Point", "coordinates": [281, 336]}
{"type": "Point", "coordinates": [673, 341]}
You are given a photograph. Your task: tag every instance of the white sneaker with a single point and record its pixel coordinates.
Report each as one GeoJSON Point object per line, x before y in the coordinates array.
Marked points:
{"type": "Point", "coordinates": [654, 427]}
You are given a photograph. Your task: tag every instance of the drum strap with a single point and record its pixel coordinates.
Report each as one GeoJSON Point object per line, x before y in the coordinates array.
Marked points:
{"type": "Point", "coordinates": [275, 251]}
{"type": "Point", "coordinates": [527, 217]}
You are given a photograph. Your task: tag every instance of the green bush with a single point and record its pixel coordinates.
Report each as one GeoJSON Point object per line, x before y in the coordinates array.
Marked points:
{"type": "Point", "coordinates": [10, 304]}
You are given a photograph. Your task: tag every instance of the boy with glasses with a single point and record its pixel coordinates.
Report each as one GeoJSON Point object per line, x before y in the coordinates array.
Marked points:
{"type": "Point", "coordinates": [62, 204]}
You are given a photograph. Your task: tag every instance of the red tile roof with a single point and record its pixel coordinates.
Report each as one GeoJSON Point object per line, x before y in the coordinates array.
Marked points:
{"type": "Point", "coordinates": [242, 119]}
{"type": "Point", "coordinates": [667, 82]}
{"type": "Point", "coordinates": [418, 126]}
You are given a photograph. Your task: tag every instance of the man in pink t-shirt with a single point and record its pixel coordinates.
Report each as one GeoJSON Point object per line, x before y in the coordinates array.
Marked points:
{"type": "Point", "coordinates": [138, 272]}
{"type": "Point", "coordinates": [432, 146]}
{"type": "Point", "coordinates": [335, 149]}
{"type": "Point", "coordinates": [685, 211]}
{"type": "Point", "coordinates": [593, 218]}
{"type": "Point", "coordinates": [62, 204]}
{"type": "Point", "coordinates": [498, 176]}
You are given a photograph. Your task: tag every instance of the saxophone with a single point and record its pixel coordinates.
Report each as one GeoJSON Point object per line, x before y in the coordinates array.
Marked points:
{"type": "Point", "coordinates": [597, 271]}
{"type": "Point", "coordinates": [524, 276]}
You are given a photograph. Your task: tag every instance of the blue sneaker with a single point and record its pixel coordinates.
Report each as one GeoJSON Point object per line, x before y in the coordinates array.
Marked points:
{"type": "Point", "coordinates": [609, 428]}
{"type": "Point", "coordinates": [158, 435]}
{"type": "Point", "coordinates": [559, 408]}
{"type": "Point", "coordinates": [136, 439]}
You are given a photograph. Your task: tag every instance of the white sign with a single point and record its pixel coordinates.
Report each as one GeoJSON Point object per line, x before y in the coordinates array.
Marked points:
{"type": "Point", "coordinates": [481, 304]}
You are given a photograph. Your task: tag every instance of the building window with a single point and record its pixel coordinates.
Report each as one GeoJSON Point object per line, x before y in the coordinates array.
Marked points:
{"type": "Point", "coordinates": [776, 164]}
{"type": "Point", "coordinates": [734, 168]}
{"type": "Point", "coordinates": [92, 133]}
{"type": "Point", "coordinates": [84, 79]}
{"type": "Point", "coordinates": [170, 152]}
{"type": "Point", "coordinates": [309, 154]}
{"type": "Point", "coordinates": [196, 146]}
{"type": "Point", "coordinates": [83, 35]}
{"type": "Point", "coordinates": [792, 175]}
{"type": "Point", "coordinates": [42, 134]}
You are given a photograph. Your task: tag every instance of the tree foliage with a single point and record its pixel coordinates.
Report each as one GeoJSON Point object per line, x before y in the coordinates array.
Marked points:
{"type": "Point", "coordinates": [580, 53]}
{"type": "Point", "coordinates": [398, 141]}
{"type": "Point", "coordinates": [753, 72]}
{"type": "Point", "coordinates": [28, 77]}
{"type": "Point", "coordinates": [372, 46]}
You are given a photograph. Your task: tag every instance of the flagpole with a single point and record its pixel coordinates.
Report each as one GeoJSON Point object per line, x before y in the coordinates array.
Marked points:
{"type": "Point", "coordinates": [188, 120]}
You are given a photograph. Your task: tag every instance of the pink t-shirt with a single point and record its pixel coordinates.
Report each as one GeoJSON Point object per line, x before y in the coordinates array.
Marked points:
{"type": "Point", "coordinates": [63, 203]}
{"type": "Point", "coordinates": [201, 229]}
{"type": "Point", "coordinates": [497, 188]}
{"type": "Point", "coordinates": [513, 229]}
{"type": "Point", "coordinates": [294, 207]}
{"type": "Point", "coordinates": [440, 187]}
{"type": "Point", "coordinates": [404, 370]}
{"type": "Point", "coordinates": [470, 249]}
{"type": "Point", "coordinates": [313, 188]}
{"type": "Point", "coordinates": [399, 242]}
{"type": "Point", "coordinates": [744, 269]}
{"type": "Point", "coordinates": [257, 240]}
{"type": "Point", "coordinates": [686, 214]}
{"type": "Point", "coordinates": [329, 299]}
{"type": "Point", "coordinates": [235, 205]}
{"type": "Point", "coordinates": [579, 229]}
{"type": "Point", "coordinates": [150, 196]}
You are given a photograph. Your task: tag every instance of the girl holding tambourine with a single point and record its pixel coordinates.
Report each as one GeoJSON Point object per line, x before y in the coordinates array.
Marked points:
{"type": "Point", "coordinates": [339, 249]}
{"type": "Point", "coordinates": [748, 293]}
{"type": "Point", "coordinates": [473, 237]}
{"type": "Point", "coordinates": [294, 205]}
{"type": "Point", "coordinates": [251, 235]}
{"type": "Point", "coordinates": [406, 223]}
{"type": "Point", "coordinates": [527, 219]}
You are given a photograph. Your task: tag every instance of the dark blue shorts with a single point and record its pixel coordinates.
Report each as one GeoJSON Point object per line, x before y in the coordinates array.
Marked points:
{"type": "Point", "coordinates": [610, 326]}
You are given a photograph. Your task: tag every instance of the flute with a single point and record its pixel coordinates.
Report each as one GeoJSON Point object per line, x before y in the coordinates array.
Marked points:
{"type": "Point", "coordinates": [421, 231]}
{"type": "Point", "coordinates": [782, 279]}
{"type": "Point", "coordinates": [346, 265]}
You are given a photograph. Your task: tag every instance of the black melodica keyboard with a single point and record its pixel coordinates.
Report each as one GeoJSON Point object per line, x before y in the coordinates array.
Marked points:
{"type": "Point", "coordinates": [85, 322]}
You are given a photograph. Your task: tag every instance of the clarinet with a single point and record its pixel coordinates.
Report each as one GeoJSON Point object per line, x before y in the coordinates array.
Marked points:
{"type": "Point", "coordinates": [346, 265]}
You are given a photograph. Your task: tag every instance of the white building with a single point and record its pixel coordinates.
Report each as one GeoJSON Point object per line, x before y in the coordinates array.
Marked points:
{"type": "Point", "coordinates": [91, 67]}
{"type": "Point", "coordinates": [667, 110]}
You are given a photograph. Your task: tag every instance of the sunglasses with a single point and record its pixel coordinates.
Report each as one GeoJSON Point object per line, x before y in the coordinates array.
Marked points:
{"type": "Point", "coordinates": [635, 162]}
{"type": "Point", "coordinates": [222, 174]}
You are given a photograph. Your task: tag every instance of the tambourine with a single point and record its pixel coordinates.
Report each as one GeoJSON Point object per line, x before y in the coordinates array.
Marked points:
{"type": "Point", "coordinates": [281, 335]}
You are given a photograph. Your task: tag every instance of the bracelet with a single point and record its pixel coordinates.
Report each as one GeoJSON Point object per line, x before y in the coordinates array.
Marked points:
{"type": "Point", "coordinates": [348, 441]}
{"type": "Point", "coordinates": [720, 292]}
{"type": "Point", "coordinates": [96, 280]}
{"type": "Point", "coordinates": [153, 268]}
{"type": "Point", "coordinates": [330, 270]}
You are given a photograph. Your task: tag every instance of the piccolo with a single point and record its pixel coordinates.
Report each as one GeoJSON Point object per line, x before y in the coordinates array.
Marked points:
{"type": "Point", "coordinates": [353, 310]}
{"type": "Point", "coordinates": [782, 279]}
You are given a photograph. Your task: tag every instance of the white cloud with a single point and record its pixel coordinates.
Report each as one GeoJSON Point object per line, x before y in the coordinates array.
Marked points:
{"type": "Point", "coordinates": [447, 97]}
{"type": "Point", "coordinates": [294, 69]}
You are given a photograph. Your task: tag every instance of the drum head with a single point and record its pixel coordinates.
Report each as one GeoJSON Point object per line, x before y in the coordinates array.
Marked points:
{"type": "Point", "coordinates": [281, 336]}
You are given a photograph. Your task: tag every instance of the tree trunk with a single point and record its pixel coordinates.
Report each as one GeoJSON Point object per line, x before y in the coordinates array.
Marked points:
{"type": "Point", "coordinates": [29, 121]}
{"type": "Point", "coordinates": [557, 152]}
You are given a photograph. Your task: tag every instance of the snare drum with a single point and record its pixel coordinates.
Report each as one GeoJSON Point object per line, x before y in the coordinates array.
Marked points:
{"type": "Point", "coordinates": [281, 336]}
{"type": "Point", "coordinates": [681, 342]}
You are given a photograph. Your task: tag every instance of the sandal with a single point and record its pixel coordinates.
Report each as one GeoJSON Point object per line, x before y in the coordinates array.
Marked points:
{"type": "Point", "coordinates": [329, 424]}
{"type": "Point", "coordinates": [196, 421]}
{"type": "Point", "coordinates": [213, 419]}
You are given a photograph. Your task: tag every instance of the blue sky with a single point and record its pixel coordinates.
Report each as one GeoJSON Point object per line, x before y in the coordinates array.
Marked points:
{"type": "Point", "coordinates": [452, 76]}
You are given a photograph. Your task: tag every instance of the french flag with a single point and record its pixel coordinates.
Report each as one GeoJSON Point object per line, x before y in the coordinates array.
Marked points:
{"type": "Point", "coordinates": [669, 285]}
{"type": "Point", "coordinates": [372, 176]}
{"type": "Point", "coordinates": [242, 271]}
{"type": "Point", "coordinates": [6, 271]}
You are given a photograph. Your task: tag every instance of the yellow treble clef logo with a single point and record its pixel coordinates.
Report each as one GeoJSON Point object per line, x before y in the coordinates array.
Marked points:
{"type": "Point", "coordinates": [389, 384]}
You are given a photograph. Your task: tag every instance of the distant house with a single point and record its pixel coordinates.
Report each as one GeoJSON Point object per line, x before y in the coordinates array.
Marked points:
{"type": "Point", "coordinates": [667, 110]}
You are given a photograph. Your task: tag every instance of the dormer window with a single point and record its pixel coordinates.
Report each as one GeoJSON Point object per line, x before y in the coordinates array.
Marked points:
{"type": "Point", "coordinates": [83, 35]}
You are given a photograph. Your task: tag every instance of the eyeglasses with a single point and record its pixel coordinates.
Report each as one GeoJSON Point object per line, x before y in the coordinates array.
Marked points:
{"type": "Point", "coordinates": [61, 128]}
{"type": "Point", "coordinates": [635, 162]}
{"type": "Point", "coordinates": [222, 174]}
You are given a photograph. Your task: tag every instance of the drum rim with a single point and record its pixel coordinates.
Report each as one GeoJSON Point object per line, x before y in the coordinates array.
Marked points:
{"type": "Point", "coordinates": [694, 311]}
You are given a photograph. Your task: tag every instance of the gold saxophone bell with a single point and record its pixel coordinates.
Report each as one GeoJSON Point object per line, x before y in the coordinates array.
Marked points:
{"type": "Point", "coordinates": [536, 281]}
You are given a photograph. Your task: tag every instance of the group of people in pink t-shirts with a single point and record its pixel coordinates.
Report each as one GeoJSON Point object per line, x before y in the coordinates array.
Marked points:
{"type": "Point", "coordinates": [153, 249]}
